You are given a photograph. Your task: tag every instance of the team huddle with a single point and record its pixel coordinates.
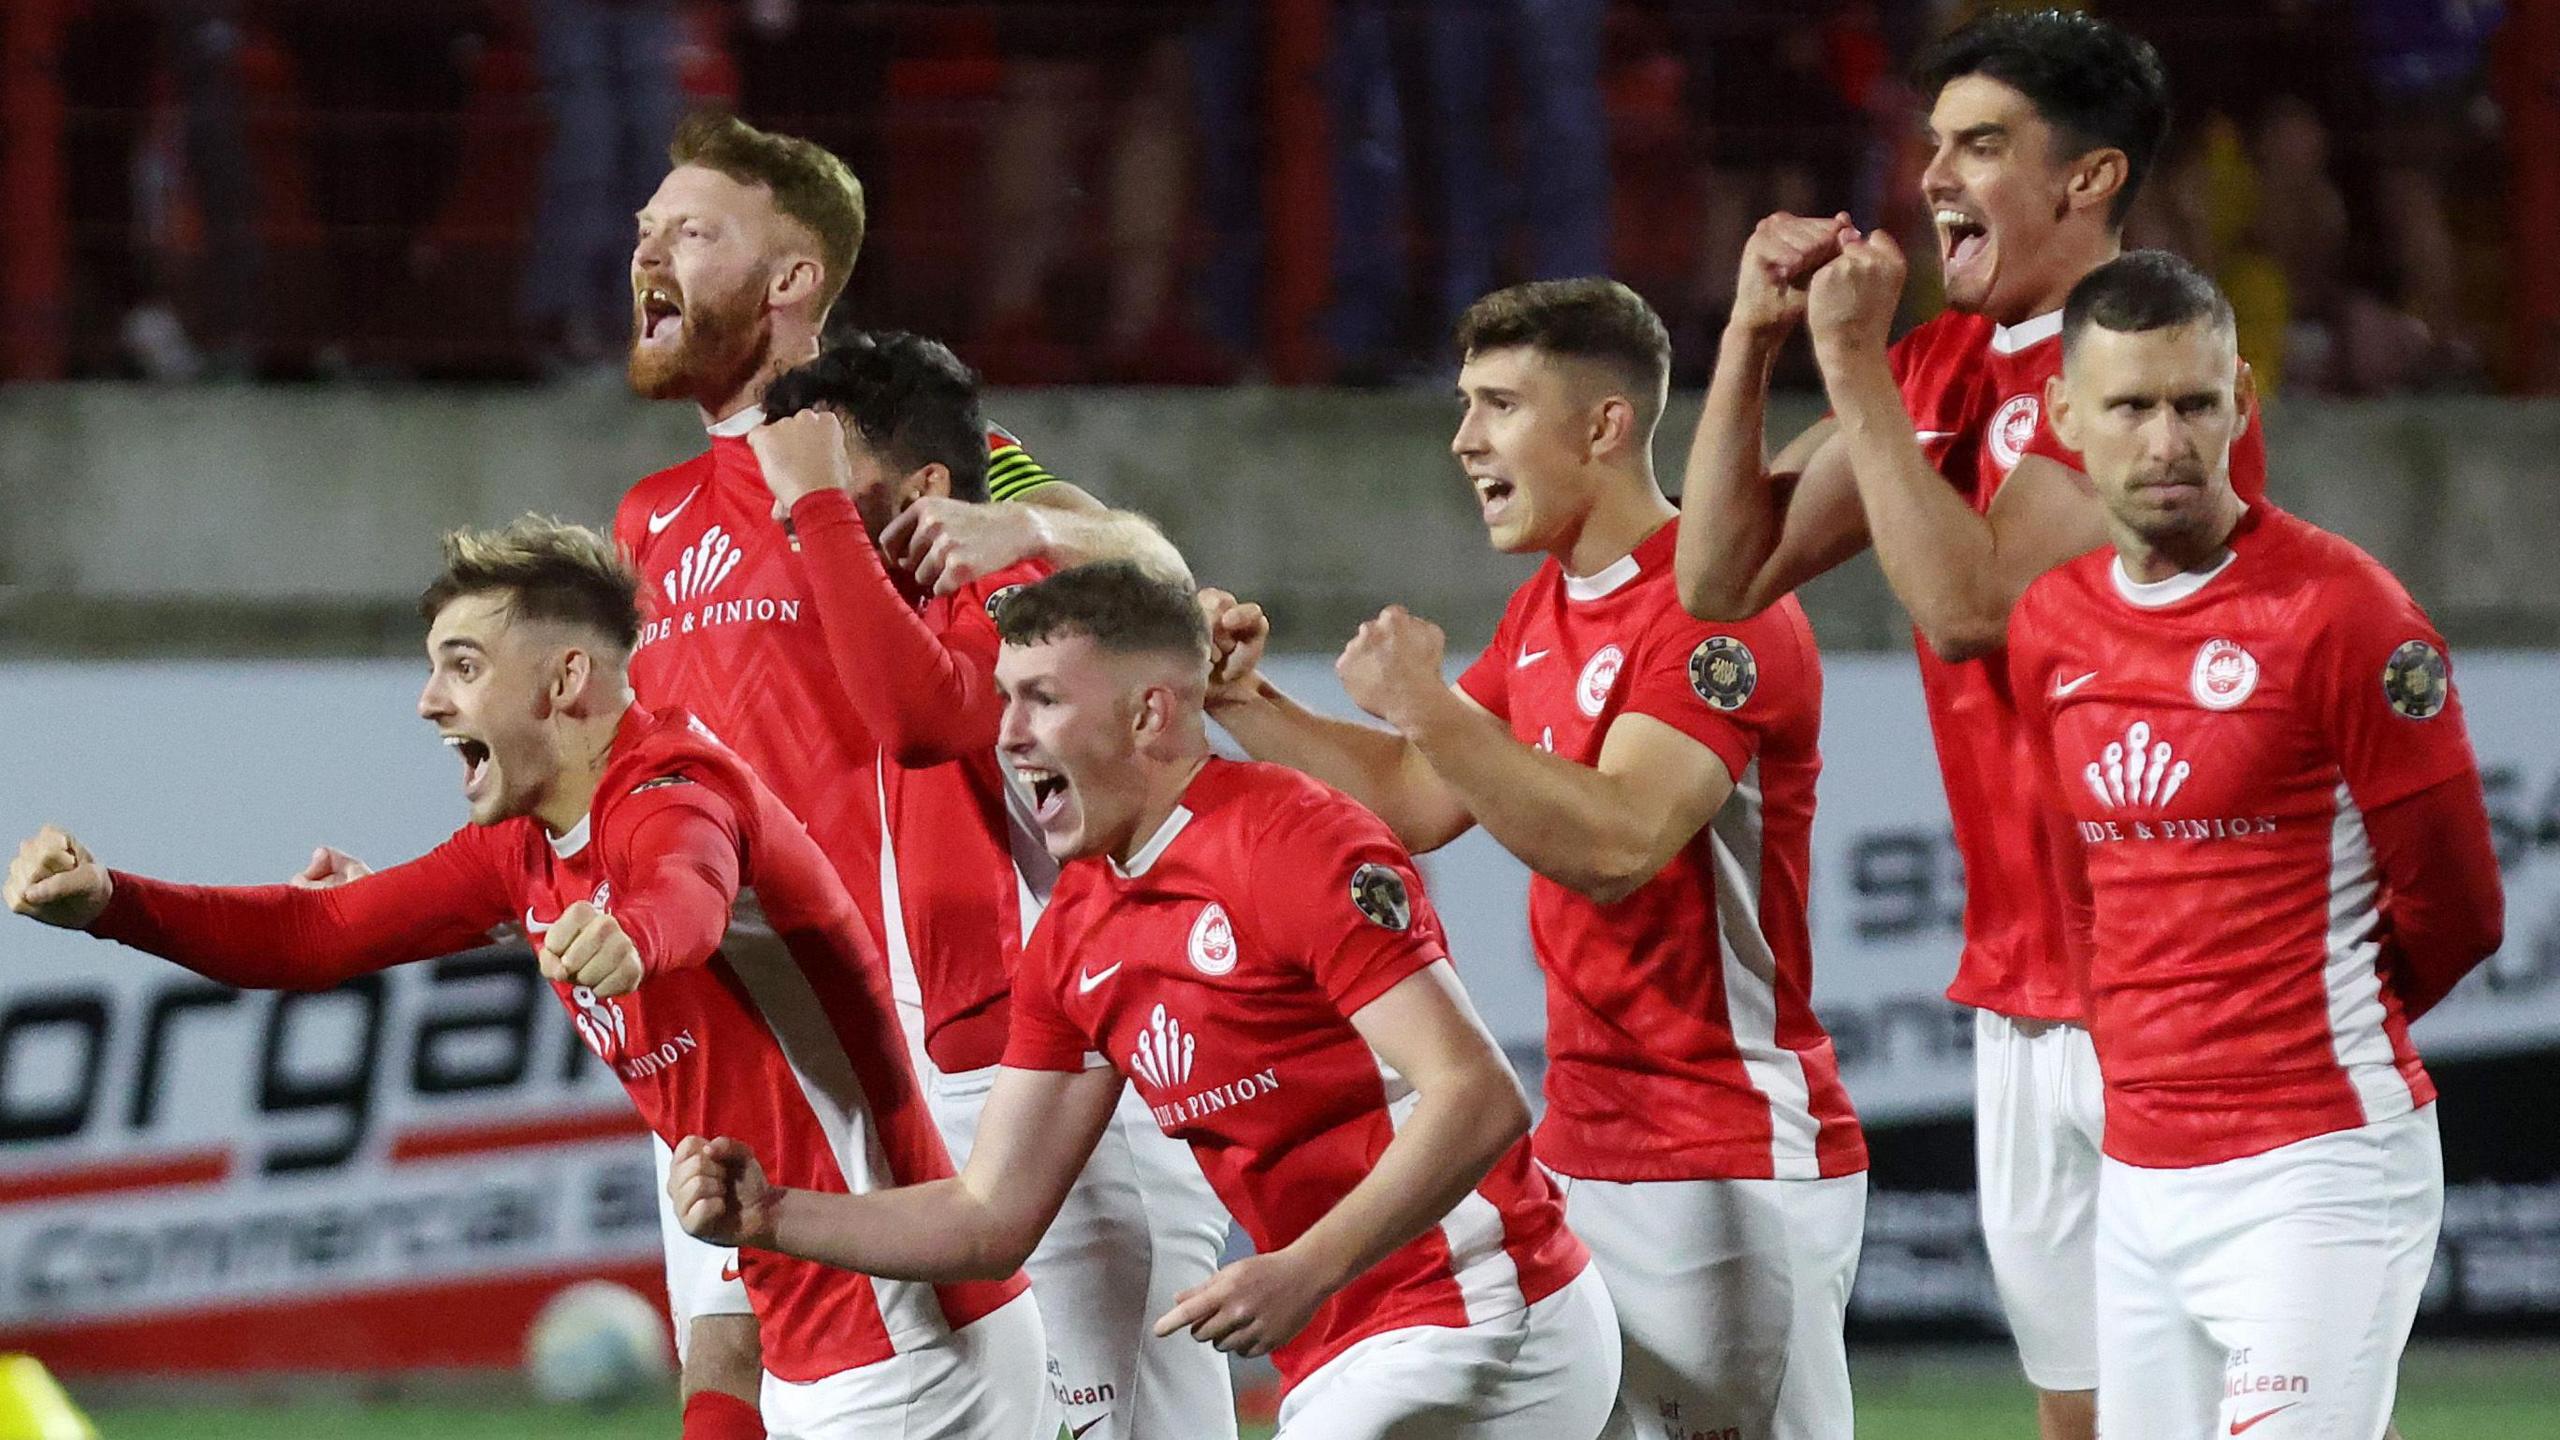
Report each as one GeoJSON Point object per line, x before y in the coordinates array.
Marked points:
{"type": "Point", "coordinates": [857, 796]}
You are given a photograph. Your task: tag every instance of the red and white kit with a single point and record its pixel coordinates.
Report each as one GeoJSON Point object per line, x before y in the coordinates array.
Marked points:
{"type": "Point", "coordinates": [1218, 971]}
{"type": "Point", "coordinates": [759, 1015]}
{"type": "Point", "coordinates": [961, 881]}
{"type": "Point", "coordinates": [2245, 753]}
{"type": "Point", "coordinates": [1975, 392]}
{"type": "Point", "coordinates": [1708, 1151]}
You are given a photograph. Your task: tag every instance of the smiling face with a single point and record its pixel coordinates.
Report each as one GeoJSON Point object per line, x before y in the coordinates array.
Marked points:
{"type": "Point", "coordinates": [493, 689]}
{"type": "Point", "coordinates": [1525, 440]}
{"type": "Point", "coordinates": [1076, 723]}
{"type": "Point", "coordinates": [2153, 414]}
{"type": "Point", "coordinates": [2009, 198]}
{"type": "Point", "coordinates": [708, 250]}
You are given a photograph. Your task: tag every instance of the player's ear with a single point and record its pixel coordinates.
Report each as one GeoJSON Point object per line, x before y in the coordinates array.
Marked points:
{"type": "Point", "coordinates": [2057, 411]}
{"type": "Point", "coordinates": [1613, 424]}
{"type": "Point", "coordinates": [795, 282]}
{"type": "Point", "coordinates": [2096, 178]}
{"type": "Point", "coordinates": [571, 676]}
{"type": "Point", "coordinates": [933, 481]}
{"type": "Point", "coordinates": [2245, 398]}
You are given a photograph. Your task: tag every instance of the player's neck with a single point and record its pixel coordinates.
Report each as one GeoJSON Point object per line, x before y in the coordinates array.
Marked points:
{"type": "Point", "coordinates": [1164, 796]}
{"type": "Point", "coordinates": [586, 748]}
{"type": "Point", "coordinates": [2148, 560]}
{"type": "Point", "coordinates": [789, 350]}
{"type": "Point", "coordinates": [2090, 252]}
{"type": "Point", "coordinates": [1625, 515]}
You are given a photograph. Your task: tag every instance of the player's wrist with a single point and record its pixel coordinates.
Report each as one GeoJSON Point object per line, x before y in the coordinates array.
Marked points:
{"type": "Point", "coordinates": [1756, 335]}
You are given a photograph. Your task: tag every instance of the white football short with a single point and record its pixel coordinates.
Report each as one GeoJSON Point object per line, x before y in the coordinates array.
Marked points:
{"type": "Point", "coordinates": [1140, 1226]}
{"type": "Point", "coordinates": [702, 1278]}
{"type": "Point", "coordinates": [2039, 1111]}
{"type": "Point", "coordinates": [1731, 1296]}
{"type": "Point", "coordinates": [1545, 1372]}
{"type": "Point", "coordinates": [984, 1381]}
{"type": "Point", "coordinates": [2270, 1296]}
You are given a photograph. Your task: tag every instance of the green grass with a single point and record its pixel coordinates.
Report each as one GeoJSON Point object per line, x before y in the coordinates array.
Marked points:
{"type": "Point", "coordinates": [2447, 1393]}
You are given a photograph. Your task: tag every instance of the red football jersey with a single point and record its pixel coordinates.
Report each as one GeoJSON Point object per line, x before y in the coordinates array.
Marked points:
{"type": "Point", "coordinates": [2219, 740]}
{"type": "Point", "coordinates": [729, 635]}
{"type": "Point", "coordinates": [962, 874]}
{"type": "Point", "coordinates": [1681, 1039]}
{"type": "Point", "coordinates": [761, 1014]}
{"type": "Point", "coordinates": [1218, 971]}
{"type": "Point", "coordinates": [1975, 391]}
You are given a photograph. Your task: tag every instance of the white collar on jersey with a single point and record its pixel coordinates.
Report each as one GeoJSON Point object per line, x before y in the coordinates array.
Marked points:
{"type": "Point", "coordinates": [572, 841]}
{"type": "Point", "coordinates": [2010, 339]}
{"type": "Point", "coordinates": [1149, 853]}
{"type": "Point", "coordinates": [738, 424]}
{"type": "Point", "coordinates": [1607, 580]}
{"type": "Point", "coordinates": [2152, 594]}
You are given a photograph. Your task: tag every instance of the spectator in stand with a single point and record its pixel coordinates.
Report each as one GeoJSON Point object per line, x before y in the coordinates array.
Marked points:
{"type": "Point", "coordinates": [609, 81]}
{"type": "Point", "coordinates": [2424, 60]}
{"type": "Point", "coordinates": [128, 278]}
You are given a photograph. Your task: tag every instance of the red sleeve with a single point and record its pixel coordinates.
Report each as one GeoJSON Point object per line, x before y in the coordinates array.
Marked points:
{"type": "Point", "coordinates": [1040, 1036]}
{"type": "Point", "coordinates": [2440, 888]}
{"type": "Point", "coordinates": [2030, 684]}
{"type": "Point", "coordinates": [927, 701]}
{"type": "Point", "coordinates": [2385, 687]}
{"type": "Point", "coordinates": [674, 851]}
{"type": "Point", "coordinates": [280, 937]}
{"type": "Point", "coordinates": [1488, 681]}
{"type": "Point", "coordinates": [1333, 890]}
{"type": "Point", "coordinates": [1727, 686]}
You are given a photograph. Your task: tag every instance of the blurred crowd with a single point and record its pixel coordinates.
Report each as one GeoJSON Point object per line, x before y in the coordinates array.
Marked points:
{"type": "Point", "coordinates": [1179, 191]}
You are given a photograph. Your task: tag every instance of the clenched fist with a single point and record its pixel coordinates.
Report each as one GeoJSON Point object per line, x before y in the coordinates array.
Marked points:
{"type": "Point", "coordinates": [948, 543]}
{"type": "Point", "coordinates": [801, 455]}
{"type": "Point", "coordinates": [1778, 266]}
{"type": "Point", "coordinates": [329, 868]}
{"type": "Point", "coordinates": [1854, 298]}
{"type": "Point", "coordinates": [56, 880]}
{"type": "Point", "coordinates": [585, 946]}
{"type": "Point", "coordinates": [1238, 632]}
{"type": "Point", "coordinates": [720, 1192]}
{"type": "Point", "coordinates": [1392, 666]}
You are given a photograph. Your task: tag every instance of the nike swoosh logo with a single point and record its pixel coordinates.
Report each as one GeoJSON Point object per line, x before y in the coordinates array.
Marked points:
{"type": "Point", "coordinates": [729, 1271]}
{"type": "Point", "coordinates": [658, 522]}
{"type": "Point", "coordinates": [1087, 980]}
{"type": "Point", "coordinates": [2065, 687]}
{"type": "Point", "coordinates": [1078, 1432]}
{"type": "Point", "coordinates": [1530, 658]}
{"type": "Point", "coordinates": [533, 926]}
{"type": "Point", "coordinates": [2237, 1426]}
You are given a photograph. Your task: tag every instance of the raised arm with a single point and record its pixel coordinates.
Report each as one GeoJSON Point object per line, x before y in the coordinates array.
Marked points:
{"type": "Point", "coordinates": [1038, 1130]}
{"type": "Point", "coordinates": [1468, 1110]}
{"type": "Point", "coordinates": [950, 543]}
{"type": "Point", "coordinates": [1379, 768]}
{"type": "Point", "coordinates": [267, 937]}
{"type": "Point", "coordinates": [1958, 572]}
{"type": "Point", "coordinates": [1753, 529]}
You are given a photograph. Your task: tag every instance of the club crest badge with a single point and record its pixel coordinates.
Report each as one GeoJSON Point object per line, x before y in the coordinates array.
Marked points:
{"type": "Point", "coordinates": [1723, 672]}
{"type": "Point", "coordinates": [2224, 675]}
{"type": "Point", "coordinates": [1599, 677]}
{"type": "Point", "coordinates": [995, 602]}
{"type": "Point", "coordinates": [2416, 680]}
{"type": "Point", "coordinates": [1379, 893]}
{"type": "Point", "coordinates": [1213, 941]}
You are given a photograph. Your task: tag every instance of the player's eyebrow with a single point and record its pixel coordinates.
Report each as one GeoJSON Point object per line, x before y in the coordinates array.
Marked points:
{"type": "Point", "coordinates": [1987, 130]}
{"type": "Point", "coordinates": [459, 642]}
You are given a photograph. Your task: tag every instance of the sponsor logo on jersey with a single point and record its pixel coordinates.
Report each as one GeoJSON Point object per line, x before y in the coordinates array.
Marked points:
{"type": "Point", "coordinates": [1599, 677]}
{"type": "Point", "coordinates": [660, 520]}
{"type": "Point", "coordinates": [704, 564]}
{"type": "Point", "coordinates": [1163, 1056]}
{"type": "Point", "coordinates": [1723, 672]}
{"type": "Point", "coordinates": [1378, 892]}
{"type": "Point", "coordinates": [2224, 675]}
{"type": "Point", "coordinates": [995, 602]}
{"type": "Point", "coordinates": [600, 1024]}
{"type": "Point", "coordinates": [1213, 941]}
{"type": "Point", "coordinates": [2415, 680]}
{"type": "Point", "coordinates": [2139, 770]}
{"type": "Point", "coordinates": [2013, 429]}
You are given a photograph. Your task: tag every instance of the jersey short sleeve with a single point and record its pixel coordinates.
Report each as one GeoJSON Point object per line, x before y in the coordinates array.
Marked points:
{"type": "Point", "coordinates": [1488, 681]}
{"type": "Point", "coordinates": [2387, 695]}
{"type": "Point", "coordinates": [1039, 1034]}
{"type": "Point", "coordinates": [1722, 685]}
{"type": "Point", "coordinates": [1334, 890]}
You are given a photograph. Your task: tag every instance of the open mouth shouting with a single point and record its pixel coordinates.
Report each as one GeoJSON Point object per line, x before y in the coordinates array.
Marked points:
{"type": "Point", "coordinates": [1964, 242]}
{"type": "Point", "coordinates": [1493, 495]}
{"type": "Point", "coordinates": [659, 315]}
{"type": "Point", "coordinates": [476, 765]}
{"type": "Point", "coordinates": [1047, 789]}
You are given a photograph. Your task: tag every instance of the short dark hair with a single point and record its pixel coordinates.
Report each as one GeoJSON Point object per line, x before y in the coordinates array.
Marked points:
{"type": "Point", "coordinates": [909, 396]}
{"type": "Point", "coordinates": [2096, 85]}
{"type": "Point", "coordinates": [549, 569]}
{"type": "Point", "coordinates": [1115, 603]}
{"type": "Point", "coordinates": [1591, 318]}
{"type": "Point", "coordinates": [2142, 290]}
{"type": "Point", "coordinates": [809, 184]}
